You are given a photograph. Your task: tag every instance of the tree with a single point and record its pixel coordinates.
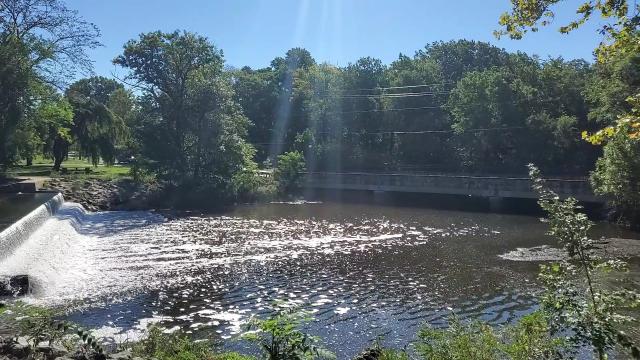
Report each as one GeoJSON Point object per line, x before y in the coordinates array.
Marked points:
{"type": "Point", "coordinates": [289, 113]}
{"type": "Point", "coordinates": [40, 41]}
{"type": "Point", "coordinates": [617, 57]}
{"type": "Point", "coordinates": [191, 129]}
{"type": "Point", "coordinates": [56, 122]}
{"type": "Point", "coordinates": [96, 129]}
{"type": "Point", "coordinates": [257, 92]}
{"type": "Point", "coordinates": [15, 77]}
{"type": "Point", "coordinates": [620, 32]}
{"type": "Point", "coordinates": [574, 298]}
{"type": "Point", "coordinates": [617, 176]}
{"type": "Point", "coordinates": [621, 40]}
{"type": "Point", "coordinates": [488, 100]}
{"type": "Point", "coordinates": [289, 171]}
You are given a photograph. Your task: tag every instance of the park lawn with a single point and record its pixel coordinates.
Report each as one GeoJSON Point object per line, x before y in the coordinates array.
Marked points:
{"type": "Point", "coordinates": [73, 168]}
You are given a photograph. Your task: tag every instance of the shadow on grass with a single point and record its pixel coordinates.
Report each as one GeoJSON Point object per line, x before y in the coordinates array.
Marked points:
{"type": "Point", "coordinates": [69, 170]}
{"type": "Point", "coordinates": [34, 170]}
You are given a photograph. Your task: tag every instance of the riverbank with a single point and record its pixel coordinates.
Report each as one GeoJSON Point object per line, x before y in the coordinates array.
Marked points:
{"type": "Point", "coordinates": [96, 194]}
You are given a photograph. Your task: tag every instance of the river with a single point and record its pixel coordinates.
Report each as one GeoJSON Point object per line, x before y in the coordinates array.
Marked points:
{"type": "Point", "coordinates": [365, 271]}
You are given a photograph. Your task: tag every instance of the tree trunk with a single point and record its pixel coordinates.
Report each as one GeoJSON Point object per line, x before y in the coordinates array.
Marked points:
{"type": "Point", "coordinates": [60, 150]}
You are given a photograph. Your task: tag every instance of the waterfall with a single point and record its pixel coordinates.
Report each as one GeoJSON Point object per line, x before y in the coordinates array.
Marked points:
{"type": "Point", "coordinates": [16, 234]}
{"type": "Point", "coordinates": [76, 254]}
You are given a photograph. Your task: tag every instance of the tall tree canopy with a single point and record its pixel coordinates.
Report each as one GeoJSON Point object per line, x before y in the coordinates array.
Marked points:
{"type": "Point", "coordinates": [96, 129]}
{"type": "Point", "coordinates": [191, 130]}
{"type": "Point", "coordinates": [454, 106]}
{"type": "Point", "coordinates": [40, 41]}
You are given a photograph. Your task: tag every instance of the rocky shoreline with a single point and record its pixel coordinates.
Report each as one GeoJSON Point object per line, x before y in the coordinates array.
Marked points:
{"type": "Point", "coordinates": [10, 349]}
{"type": "Point", "coordinates": [101, 194]}
{"type": "Point", "coordinates": [607, 248]}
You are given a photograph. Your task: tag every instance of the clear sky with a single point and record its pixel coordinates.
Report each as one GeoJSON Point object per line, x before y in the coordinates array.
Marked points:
{"type": "Point", "coordinates": [253, 32]}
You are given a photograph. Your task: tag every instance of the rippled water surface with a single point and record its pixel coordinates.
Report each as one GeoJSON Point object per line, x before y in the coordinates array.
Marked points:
{"type": "Point", "coordinates": [365, 271]}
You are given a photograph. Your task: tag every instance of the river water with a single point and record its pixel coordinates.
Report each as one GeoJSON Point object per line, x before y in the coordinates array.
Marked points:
{"type": "Point", "coordinates": [365, 271]}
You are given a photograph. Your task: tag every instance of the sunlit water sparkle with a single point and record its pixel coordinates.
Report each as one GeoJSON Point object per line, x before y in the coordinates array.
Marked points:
{"type": "Point", "coordinates": [363, 271]}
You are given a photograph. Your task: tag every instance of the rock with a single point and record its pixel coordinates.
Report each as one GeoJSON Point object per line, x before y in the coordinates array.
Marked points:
{"type": "Point", "coordinates": [15, 286]}
{"type": "Point", "coordinates": [12, 349]}
{"type": "Point", "coordinates": [123, 355]}
{"type": "Point", "coordinates": [373, 353]}
{"type": "Point", "coordinates": [51, 351]}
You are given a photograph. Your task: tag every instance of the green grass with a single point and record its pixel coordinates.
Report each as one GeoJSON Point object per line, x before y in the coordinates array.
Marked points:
{"type": "Point", "coordinates": [73, 168]}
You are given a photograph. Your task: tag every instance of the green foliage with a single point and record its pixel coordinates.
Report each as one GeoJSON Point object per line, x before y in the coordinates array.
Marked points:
{"type": "Point", "coordinates": [15, 77]}
{"type": "Point", "coordinates": [36, 324]}
{"type": "Point", "coordinates": [472, 341]}
{"type": "Point", "coordinates": [173, 346]}
{"type": "Point", "coordinates": [528, 339]}
{"type": "Point", "coordinates": [454, 106]}
{"type": "Point", "coordinates": [377, 352]}
{"type": "Point", "coordinates": [41, 42]}
{"type": "Point", "coordinates": [289, 171]}
{"type": "Point", "coordinates": [531, 338]}
{"type": "Point", "coordinates": [40, 325]}
{"type": "Point", "coordinates": [96, 128]}
{"type": "Point", "coordinates": [620, 27]}
{"type": "Point", "coordinates": [617, 175]}
{"type": "Point", "coordinates": [189, 128]}
{"type": "Point", "coordinates": [573, 297]}
{"type": "Point", "coordinates": [280, 338]}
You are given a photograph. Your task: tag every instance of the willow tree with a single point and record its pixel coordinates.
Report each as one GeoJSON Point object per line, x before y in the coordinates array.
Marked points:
{"type": "Point", "coordinates": [96, 129]}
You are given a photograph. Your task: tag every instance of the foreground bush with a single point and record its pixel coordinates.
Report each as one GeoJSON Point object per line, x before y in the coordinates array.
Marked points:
{"type": "Point", "coordinates": [163, 346]}
{"type": "Point", "coordinates": [529, 339]}
{"type": "Point", "coordinates": [280, 338]}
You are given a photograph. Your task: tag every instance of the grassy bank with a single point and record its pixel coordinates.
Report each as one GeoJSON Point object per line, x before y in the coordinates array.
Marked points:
{"type": "Point", "coordinates": [74, 168]}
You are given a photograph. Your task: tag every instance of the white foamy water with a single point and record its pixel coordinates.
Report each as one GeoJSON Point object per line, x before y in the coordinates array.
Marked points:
{"type": "Point", "coordinates": [12, 237]}
{"type": "Point", "coordinates": [75, 255]}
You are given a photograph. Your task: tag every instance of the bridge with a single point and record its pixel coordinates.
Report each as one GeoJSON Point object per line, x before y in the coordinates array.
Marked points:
{"type": "Point", "coordinates": [491, 187]}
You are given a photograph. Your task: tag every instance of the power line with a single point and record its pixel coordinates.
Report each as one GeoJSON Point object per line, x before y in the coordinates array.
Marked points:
{"type": "Point", "coordinates": [431, 131]}
{"type": "Point", "coordinates": [393, 96]}
{"type": "Point", "coordinates": [385, 110]}
{"type": "Point", "coordinates": [403, 87]}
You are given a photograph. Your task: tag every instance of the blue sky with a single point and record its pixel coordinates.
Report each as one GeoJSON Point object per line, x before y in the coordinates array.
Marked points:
{"type": "Point", "coordinates": [253, 32]}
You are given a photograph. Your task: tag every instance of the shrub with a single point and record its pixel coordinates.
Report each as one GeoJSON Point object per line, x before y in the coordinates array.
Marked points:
{"type": "Point", "coordinates": [280, 338]}
{"type": "Point", "coordinates": [528, 339]}
{"type": "Point", "coordinates": [475, 340]}
{"type": "Point", "coordinates": [289, 171]}
{"type": "Point", "coordinates": [35, 324]}
{"type": "Point", "coordinates": [573, 297]}
{"type": "Point", "coordinates": [162, 346]}
{"type": "Point", "coordinates": [377, 352]}
{"type": "Point", "coordinates": [39, 325]}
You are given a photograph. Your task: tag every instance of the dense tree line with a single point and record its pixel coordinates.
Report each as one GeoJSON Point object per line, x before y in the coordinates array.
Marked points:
{"type": "Point", "coordinates": [182, 116]}
{"type": "Point", "coordinates": [458, 106]}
